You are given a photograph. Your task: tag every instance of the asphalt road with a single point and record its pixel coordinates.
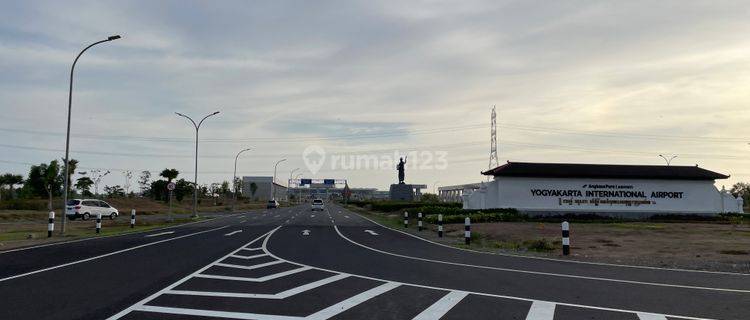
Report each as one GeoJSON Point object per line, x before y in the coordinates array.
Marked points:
{"type": "Point", "coordinates": [292, 263]}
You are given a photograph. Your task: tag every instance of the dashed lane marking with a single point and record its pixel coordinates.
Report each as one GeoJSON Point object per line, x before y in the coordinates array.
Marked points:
{"type": "Point", "coordinates": [159, 234]}
{"type": "Point", "coordinates": [371, 232]}
{"type": "Point", "coordinates": [650, 316]}
{"type": "Point", "coordinates": [232, 233]}
{"type": "Point", "coordinates": [541, 311]}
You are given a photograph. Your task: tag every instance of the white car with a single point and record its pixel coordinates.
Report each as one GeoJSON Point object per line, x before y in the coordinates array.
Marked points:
{"type": "Point", "coordinates": [317, 204]}
{"type": "Point", "coordinates": [88, 208]}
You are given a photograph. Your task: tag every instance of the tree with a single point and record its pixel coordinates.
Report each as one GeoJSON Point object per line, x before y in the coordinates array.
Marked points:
{"type": "Point", "coordinates": [253, 188]}
{"type": "Point", "coordinates": [9, 180]}
{"type": "Point", "coordinates": [182, 188]}
{"type": "Point", "coordinates": [238, 187]}
{"type": "Point", "coordinates": [144, 181]}
{"type": "Point", "coordinates": [84, 185]}
{"type": "Point", "coordinates": [72, 166]}
{"type": "Point", "coordinates": [169, 174]}
{"type": "Point", "coordinates": [430, 197]}
{"type": "Point", "coordinates": [114, 191]}
{"type": "Point", "coordinates": [741, 189]}
{"type": "Point", "coordinates": [225, 188]}
{"type": "Point", "coordinates": [158, 190]}
{"type": "Point", "coordinates": [52, 180]}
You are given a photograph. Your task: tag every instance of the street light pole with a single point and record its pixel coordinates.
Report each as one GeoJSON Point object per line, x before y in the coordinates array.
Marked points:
{"type": "Point", "coordinates": [273, 182]}
{"type": "Point", "coordinates": [289, 184]}
{"type": "Point", "coordinates": [66, 184]}
{"type": "Point", "coordinates": [299, 190]}
{"type": "Point", "coordinates": [234, 179]}
{"type": "Point", "coordinates": [195, 186]}
{"type": "Point", "coordinates": [668, 160]}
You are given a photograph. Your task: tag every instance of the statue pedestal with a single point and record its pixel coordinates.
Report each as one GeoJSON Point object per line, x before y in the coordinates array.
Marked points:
{"type": "Point", "coordinates": [402, 192]}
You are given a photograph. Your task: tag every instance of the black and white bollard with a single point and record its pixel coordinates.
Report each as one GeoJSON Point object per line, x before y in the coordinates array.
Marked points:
{"type": "Point", "coordinates": [440, 225]}
{"type": "Point", "coordinates": [98, 223]}
{"type": "Point", "coordinates": [51, 224]}
{"type": "Point", "coordinates": [419, 221]}
{"type": "Point", "coordinates": [467, 230]}
{"type": "Point", "coordinates": [132, 218]}
{"type": "Point", "coordinates": [406, 219]}
{"type": "Point", "coordinates": [566, 238]}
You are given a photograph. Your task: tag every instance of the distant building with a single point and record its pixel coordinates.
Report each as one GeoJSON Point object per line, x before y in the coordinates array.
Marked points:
{"type": "Point", "coordinates": [616, 190]}
{"type": "Point", "coordinates": [307, 189]}
{"type": "Point", "coordinates": [259, 189]}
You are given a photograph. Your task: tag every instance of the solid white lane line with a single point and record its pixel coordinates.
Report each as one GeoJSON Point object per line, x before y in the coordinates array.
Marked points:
{"type": "Point", "coordinates": [352, 302]}
{"type": "Point", "coordinates": [233, 233]}
{"type": "Point", "coordinates": [236, 266]}
{"type": "Point", "coordinates": [248, 257]}
{"type": "Point", "coordinates": [265, 248]}
{"type": "Point", "coordinates": [215, 314]}
{"type": "Point", "coordinates": [158, 234]}
{"type": "Point", "coordinates": [562, 275]}
{"type": "Point", "coordinates": [650, 316]}
{"type": "Point", "coordinates": [552, 259]}
{"type": "Point", "coordinates": [280, 295]}
{"type": "Point", "coordinates": [107, 254]}
{"type": "Point", "coordinates": [141, 303]}
{"type": "Point", "coordinates": [541, 311]}
{"type": "Point", "coordinates": [260, 279]}
{"type": "Point", "coordinates": [442, 306]}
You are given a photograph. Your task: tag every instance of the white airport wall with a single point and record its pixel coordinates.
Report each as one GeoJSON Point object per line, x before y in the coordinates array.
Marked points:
{"type": "Point", "coordinates": [585, 195]}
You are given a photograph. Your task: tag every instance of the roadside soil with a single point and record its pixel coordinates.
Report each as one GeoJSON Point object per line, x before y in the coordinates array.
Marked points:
{"type": "Point", "coordinates": [686, 245]}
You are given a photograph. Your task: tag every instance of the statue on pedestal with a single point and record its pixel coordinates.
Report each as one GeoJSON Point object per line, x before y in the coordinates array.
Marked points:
{"type": "Point", "coordinates": [401, 167]}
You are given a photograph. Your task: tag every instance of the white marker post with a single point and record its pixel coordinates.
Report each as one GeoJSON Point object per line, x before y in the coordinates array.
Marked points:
{"type": "Point", "coordinates": [132, 218]}
{"type": "Point", "coordinates": [419, 221]}
{"type": "Point", "coordinates": [51, 224]}
{"type": "Point", "coordinates": [98, 222]}
{"type": "Point", "coordinates": [406, 219]}
{"type": "Point", "coordinates": [467, 230]}
{"type": "Point", "coordinates": [566, 238]}
{"type": "Point", "coordinates": [440, 225]}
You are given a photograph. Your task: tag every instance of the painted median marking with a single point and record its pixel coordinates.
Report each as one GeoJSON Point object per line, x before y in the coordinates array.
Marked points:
{"type": "Point", "coordinates": [232, 233]}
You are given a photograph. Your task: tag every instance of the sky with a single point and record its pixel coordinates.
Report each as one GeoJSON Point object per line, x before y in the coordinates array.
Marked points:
{"type": "Point", "coordinates": [572, 81]}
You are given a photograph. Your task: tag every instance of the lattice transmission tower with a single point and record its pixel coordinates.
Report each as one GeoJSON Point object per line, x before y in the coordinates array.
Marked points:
{"type": "Point", "coordinates": [494, 162]}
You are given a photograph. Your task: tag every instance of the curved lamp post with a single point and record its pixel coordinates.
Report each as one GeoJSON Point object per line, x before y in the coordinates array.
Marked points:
{"type": "Point", "coordinates": [195, 186]}
{"type": "Point", "coordinates": [66, 185]}
{"type": "Point", "coordinates": [234, 179]}
{"type": "Point", "coordinates": [668, 160]}
{"type": "Point", "coordinates": [273, 182]}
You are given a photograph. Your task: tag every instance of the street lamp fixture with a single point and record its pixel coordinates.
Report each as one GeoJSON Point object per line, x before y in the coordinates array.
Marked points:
{"type": "Point", "coordinates": [668, 160]}
{"type": "Point", "coordinates": [273, 182]}
{"type": "Point", "coordinates": [234, 179]}
{"type": "Point", "coordinates": [66, 185]}
{"type": "Point", "coordinates": [195, 181]}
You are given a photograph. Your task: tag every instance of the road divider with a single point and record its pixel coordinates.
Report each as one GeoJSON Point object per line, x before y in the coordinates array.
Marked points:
{"type": "Point", "coordinates": [98, 223]}
{"type": "Point", "coordinates": [51, 224]}
{"type": "Point", "coordinates": [467, 230]}
{"type": "Point", "coordinates": [440, 225]}
{"type": "Point", "coordinates": [132, 218]}
{"type": "Point", "coordinates": [566, 238]}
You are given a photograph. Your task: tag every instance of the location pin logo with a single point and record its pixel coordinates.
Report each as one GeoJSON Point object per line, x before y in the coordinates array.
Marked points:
{"type": "Point", "coordinates": [314, 157]}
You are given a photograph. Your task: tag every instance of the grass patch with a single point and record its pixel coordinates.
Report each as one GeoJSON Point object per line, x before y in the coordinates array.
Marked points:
{"type": "Point", "coordinates": [638, 226]}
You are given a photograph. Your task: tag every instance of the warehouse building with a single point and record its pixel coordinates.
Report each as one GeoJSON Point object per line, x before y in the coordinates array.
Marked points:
{"type": "Point", "coordinates": [614, 190]}
{"type": "Point", "coordinates": [260, 189]}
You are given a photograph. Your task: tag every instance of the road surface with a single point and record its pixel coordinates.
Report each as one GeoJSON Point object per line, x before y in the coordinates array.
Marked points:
{"type": "Point", "coordinates": [291, 263]}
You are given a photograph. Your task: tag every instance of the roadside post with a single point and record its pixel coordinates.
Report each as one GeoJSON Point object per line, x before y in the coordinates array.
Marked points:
{"type": "Point", "coordinates": [467, 230]}
{"type": "Point", "coordinates": [406, 219]}
{"type": "Point", "coordinates": [440, 225]}
{"type": "Point", "coordinates": [98, 222]}
{"type": "Point", "coordinates": [171, 186]}
{"type": "Point", "coordinates": [132, 218]}
{"type": "Point", "coordinates": [51, 224]}
{"type": "Point", "coordinates": [566, 238]}
{"type": "Point", "coordinates": [419, 221]}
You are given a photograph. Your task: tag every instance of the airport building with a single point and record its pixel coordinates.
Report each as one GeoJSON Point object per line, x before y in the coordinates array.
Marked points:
{"type": "Point", "coordinates": [615, 190]}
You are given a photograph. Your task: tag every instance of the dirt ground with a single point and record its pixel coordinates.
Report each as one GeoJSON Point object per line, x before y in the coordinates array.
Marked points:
{"type": "Point", "coordinates": [686, 245]}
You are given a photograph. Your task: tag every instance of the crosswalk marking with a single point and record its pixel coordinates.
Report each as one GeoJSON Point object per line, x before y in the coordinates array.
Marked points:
{"type": "Point", "coordinates": [442, 306]}
{"type": "Point", "coordinates": [541, 310]}
{"type": "Point", "coordinates": [352, 302]}
{"type": "Point", "coordinates": [280, 295]}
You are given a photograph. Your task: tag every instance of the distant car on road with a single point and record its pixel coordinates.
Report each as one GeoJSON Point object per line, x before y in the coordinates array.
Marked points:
{"type": "Point", "coordinates": [87, 208]}
{"type": "Point", "coordinates": [272, 204]}
{"type": "Point", "coordinates": [317, 204]}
